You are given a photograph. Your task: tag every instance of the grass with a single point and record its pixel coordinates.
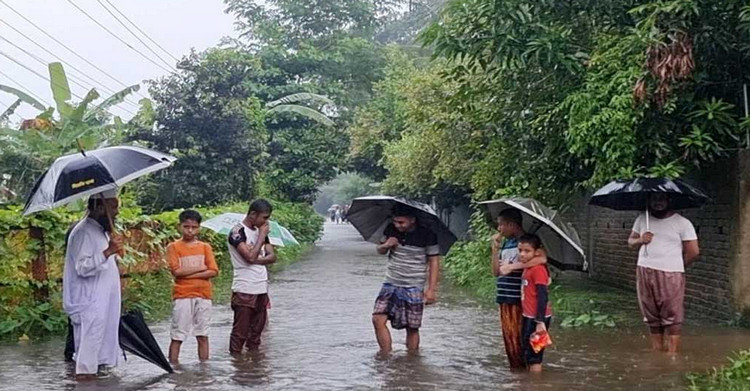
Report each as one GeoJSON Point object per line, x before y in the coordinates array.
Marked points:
{"type": "Point", "coordinates": [579, 301]}
{"type": "Point", "coordinates": [732, 377]}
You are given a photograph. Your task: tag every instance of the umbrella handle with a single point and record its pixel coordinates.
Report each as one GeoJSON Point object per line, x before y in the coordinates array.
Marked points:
{"type": "Point", "coordinates": [109, 214]}
{"type": "Point", "coordinates": [80, 147]}
{"type": "Point", "coordinates": [109, 217]}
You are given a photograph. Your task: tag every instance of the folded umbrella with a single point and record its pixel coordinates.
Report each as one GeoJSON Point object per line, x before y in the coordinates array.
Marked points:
{"type": "Point", "coordinates": [560, 240]}
{"type": "Point", "coordinates": [136, 338]}
{"type": "Point", "coordinates": [371, 215]}
{"type": "Point", "coordinates": [278, 235]}
{"type": "Point", "coordinates": [80, 175]}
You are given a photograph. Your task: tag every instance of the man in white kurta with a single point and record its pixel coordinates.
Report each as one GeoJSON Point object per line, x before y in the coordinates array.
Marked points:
{"type": "Point", "coordinates": [91, 288]}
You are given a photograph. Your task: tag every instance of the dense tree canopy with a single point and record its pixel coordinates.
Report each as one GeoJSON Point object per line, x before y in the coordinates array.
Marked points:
{"type": "Point", "coordinates": [546, 98]}
{"type": "Point", "coordinates": [209, 115]}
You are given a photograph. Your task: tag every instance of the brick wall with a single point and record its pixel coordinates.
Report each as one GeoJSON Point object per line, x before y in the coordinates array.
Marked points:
{"type": "Point", "coordinates": [709, 291]}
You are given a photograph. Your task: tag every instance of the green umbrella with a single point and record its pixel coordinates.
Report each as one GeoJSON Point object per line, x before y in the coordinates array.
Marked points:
{"type": "Point", "coordinates": [223, 223]}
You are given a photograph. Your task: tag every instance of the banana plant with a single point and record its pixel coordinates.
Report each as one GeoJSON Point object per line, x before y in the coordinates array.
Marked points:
{"type": "Point", "coordinates": [288, 104]}
{"type": "Point", "coordinates": [58, 134]}
{"type": "Point", "coordinates": [58, 130]}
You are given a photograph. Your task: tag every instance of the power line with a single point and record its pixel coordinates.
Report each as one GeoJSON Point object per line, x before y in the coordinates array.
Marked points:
{"type": "Point", "coordinates": [67, 48]}
{"type": "Point", "coordinates": [141, 31]}
{"type": "Point", "coordinates": [2, 53]}
{"type": "Point", "coordinates": [35, 96]}
{"type": "Point", "coordinates": [117, 37]}
{"type": "Point", "coordinates": [14, 110]}
{"type": "Point", "coordinates": [134, 34]}
{"type": "Point", "coordinates": [74, 80]}
{"type": "Point", "coordinates": [95, 82]}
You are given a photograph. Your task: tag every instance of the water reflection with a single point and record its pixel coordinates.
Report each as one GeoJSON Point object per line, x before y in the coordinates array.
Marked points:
{"type": "Point", "coordinates": [251, 369]}
{"type": "Point", "coordinates": [320, 338]}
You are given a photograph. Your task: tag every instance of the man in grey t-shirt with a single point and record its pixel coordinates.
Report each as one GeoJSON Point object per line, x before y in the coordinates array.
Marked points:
{"type": "Point", "coordinates": [413, 260]}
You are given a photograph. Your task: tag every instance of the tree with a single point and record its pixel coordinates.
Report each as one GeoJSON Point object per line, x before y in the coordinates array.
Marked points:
{"type": "Point", "coordinates": [209, 116]}
{"type": "Point", "coordinates": [578, 93]}
{"type": "Point", "coordinates": [318, 46]}
{"type": "Point", "coordinates": [57, 131]}
{"type": "Point", "coordinates": [287, 105]}
{"type": "Point", "coordinates": [212, 116]}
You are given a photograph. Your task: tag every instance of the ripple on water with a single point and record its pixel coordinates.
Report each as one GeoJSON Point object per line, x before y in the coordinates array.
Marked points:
{"type": "Point", "coordinates": [320, 338]}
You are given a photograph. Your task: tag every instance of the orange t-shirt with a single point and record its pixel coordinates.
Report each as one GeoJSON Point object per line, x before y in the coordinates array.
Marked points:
{"type": "Point", "coordinates": [181, 254]}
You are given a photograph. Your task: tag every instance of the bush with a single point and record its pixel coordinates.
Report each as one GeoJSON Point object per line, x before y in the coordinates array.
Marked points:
{"type": "Point", "coordinates": [149, 286]}
{"type": "Point", "coordinates": [576, 300]}
{"type": "Point", "coordinates": [468, 266]}
{"type": "Point", "coordinates": [733, 377]}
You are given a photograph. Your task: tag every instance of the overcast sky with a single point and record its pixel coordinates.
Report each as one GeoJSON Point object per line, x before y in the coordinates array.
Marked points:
{"type": "Point", "coordinates": [177, 25]}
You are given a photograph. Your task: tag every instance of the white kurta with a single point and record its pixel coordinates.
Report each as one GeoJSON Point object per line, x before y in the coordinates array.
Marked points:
{"type": "Point", "coordinates": [91, 297]}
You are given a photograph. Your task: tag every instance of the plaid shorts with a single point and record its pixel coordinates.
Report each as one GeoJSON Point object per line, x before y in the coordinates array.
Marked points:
{"type": "Point", "coordinates": [403, 305]}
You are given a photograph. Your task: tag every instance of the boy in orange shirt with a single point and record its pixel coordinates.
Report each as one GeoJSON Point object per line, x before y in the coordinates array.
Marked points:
{"type": "Point", "coordinates": [193, 266]}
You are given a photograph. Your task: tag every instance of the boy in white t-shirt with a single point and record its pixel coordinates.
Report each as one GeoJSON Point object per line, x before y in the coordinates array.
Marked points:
{"type": "Point", "coordinates": [667, 243]}
{"type": "Point", "coordinates": [250, 251]}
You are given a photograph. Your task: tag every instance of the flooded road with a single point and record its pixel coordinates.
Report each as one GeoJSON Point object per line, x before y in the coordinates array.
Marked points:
{"type": "Point", "coordinates": [320, 338]}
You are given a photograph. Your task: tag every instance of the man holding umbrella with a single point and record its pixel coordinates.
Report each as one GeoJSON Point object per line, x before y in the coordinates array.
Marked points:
{"type": "Point", "coordinates": [91, 279]}
{"type": "Point", "coordinates": [666, 243]}
{"type": "Point", "coordinates": [91, 287]}
{"type": "Point", "coordinates": [414, 237]}
{"type": "Point", "coordinates": [413, 259]}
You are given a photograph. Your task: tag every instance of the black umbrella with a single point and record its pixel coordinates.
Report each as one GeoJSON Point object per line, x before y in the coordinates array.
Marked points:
{"type": "Point", "coordinates": [136, 338]}
{"type": "Point", "coordinates": [371, 215]}
{"type": "Point", "coordinates": [633, 194]}
{"type": "Point", "coordinates": [82, 174]}
{"type": "Point", "coordinates": [560, 240]}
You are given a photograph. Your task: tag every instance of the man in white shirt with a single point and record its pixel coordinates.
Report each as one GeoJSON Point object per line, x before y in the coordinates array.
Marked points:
{"type": "Point", "coordinates": [91, 288]}
{"type": "Point", "coordinates": [250, 251]}
{"type": "Point", "coordinates": [667, 243]}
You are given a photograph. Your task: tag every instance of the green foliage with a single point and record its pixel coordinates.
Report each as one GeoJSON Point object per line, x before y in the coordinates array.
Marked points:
{"type": "Point", "coordinates": [593, 318]}
{"type": "Point", "coordinates": [468, 266]}
{"type": "Point", "coordinates": [580, 302]}
{"type": "Point", "coordinates": [24, 97]}
{"type": "Point", "coordinates": [30, 150]}
{"type": "Point", "coordinates": [576, 301]}
{"type": "Point", "coordinates": [36, 320]}
{"type": "Point", "coordinates": [303, 158]}
{"type": "Point", "coordinates": [318, 47]}
{"type": "Point", "coordinates": [733, 377]}
{"type": "Point", "coordinates": [210, 118]}
{"type": "Point", "coordinates": [286, 105]}
{"type": "Point", "coordinates": [21, 314]}
{"type": "Point", "coordinates": [545, 99]}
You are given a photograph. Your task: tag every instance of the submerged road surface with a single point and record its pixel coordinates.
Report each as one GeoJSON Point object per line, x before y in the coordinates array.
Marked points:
{"type": "Point", "coordinates": [320, 337]}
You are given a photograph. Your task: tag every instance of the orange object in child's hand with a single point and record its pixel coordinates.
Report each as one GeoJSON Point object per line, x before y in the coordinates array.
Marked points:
{"type": "Point", "coordinates": [540, 340]}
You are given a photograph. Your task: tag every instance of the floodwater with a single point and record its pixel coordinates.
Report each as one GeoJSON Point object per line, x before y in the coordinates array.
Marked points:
{"type": "Point", "coordinates": [320, 338]}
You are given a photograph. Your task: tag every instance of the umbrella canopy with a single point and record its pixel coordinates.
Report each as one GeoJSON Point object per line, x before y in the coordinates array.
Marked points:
{"type": "Point", "coordinates": [278, 235]}
{"type": "Point", "coordinates": [560, 240]}
{"type": "Point", "coordinates": [370, 216]}
{"type": "Point", "coordinates": [76, 176]}
{"type": "Point", "coordinates": [136, 338]}
{"type": "Point", "coordinates": [633, 194]}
